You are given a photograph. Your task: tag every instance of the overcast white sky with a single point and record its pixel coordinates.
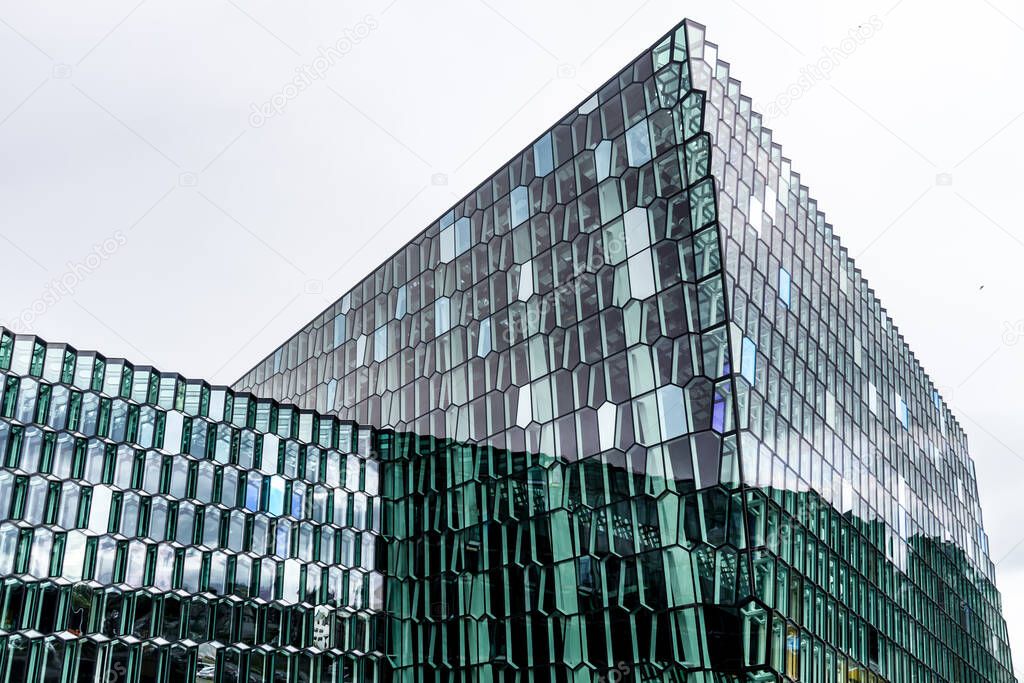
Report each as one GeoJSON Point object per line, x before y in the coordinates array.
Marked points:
{"type": "Point", "coordinates": [129, 127]}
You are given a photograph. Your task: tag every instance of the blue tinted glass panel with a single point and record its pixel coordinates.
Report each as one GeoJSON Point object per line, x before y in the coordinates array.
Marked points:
{"type": "Point", "coordinates": [275, 502]}
{"type": "Point", "coordinates": [543, 158]}
{"type": "Point", "coordinates": [785, 284]}
{"type": "Point", "coordinates": [252, 491]}
{"type": "Point", "coordinates": [520, 205]}
{"type": "Point", "coordinates": [461, 235]}
{"type": "Point", "coordinates": [484, 344]}
{"type": "Point", "coordinates": [902, 412]}
{"type": "Point", "coordinates": [748, 362]}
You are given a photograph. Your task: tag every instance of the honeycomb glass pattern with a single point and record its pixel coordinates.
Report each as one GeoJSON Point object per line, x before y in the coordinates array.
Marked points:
{"type": "Point", "coordinates": [646, 418]}
{"type": "Point", "coordinates": [627, 411]}
{"type": "Point", "coordinates": [158, 529]}
{"type": "Point", "coordinates": [552, 358]}
{"type": "Point", "coordinates": [867, 550]}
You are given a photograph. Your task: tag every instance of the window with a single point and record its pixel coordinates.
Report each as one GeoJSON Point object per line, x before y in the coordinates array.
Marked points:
{"type": "Point", "coordinates": [332, 391]}
{"type": "Point", "coordinates": [902, 412]}
{"type": "Point", "coordinates": [400, 302]}
{"type": "Point", "coordinates": [447, 244]}
{"type": "Point", "coordinates": [785, 284]}
{"type": "Point", "coordinates": [543, 157]}
{"type": "Point", "coordinates": [748, 360]}
{"type": "Point", "coordinates": [442, 316]}
{"type": "Point", "coordinates": [484, 345]}
{"type": "Point", "coordinates": [874, 660]}
{"type": "Point", "coordinates": [462, 235]}
{"type": "Point", "coordinates": [638, 144]}
{"type": "Point", "coordinates": [671, 412]}
{"type": "Point", "coordinates": [361, 349]}
{"type": "Point", "coordinates": [275, 495]}
{"type": "Point", "coordinates": [380, 343]}
{"type": "Point", "coordinates": [520, 198]}
{"type": "Point", "coordinates": [637, 231]}
{"type": "Point", "coordinates": [339, 330]}
{"type": "Point", "coordinates": [603, 159]}
{"type": "Point", "coordinates": [641, 275]}
{"type": "Point", "coordinates": [526, 281]}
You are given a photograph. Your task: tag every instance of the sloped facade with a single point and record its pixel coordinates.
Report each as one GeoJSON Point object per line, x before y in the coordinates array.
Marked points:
{"type": "Point", "coordinates": [626, 411]}
{"type": "Point", "coordinates": [649, 289]}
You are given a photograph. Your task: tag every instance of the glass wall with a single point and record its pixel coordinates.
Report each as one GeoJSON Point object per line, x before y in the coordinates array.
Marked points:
{"type": "Point", "coordinates": [626, 411]}
{"type": "Point", "coordinates": [647, 292]}
{"type": "Point", "coordinates": [159, 529]}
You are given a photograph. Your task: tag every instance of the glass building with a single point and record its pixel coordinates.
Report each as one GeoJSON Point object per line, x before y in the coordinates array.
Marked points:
{"type": "Point", "coordinates": [159, 529]}
{"type": "Point", "coordinates": [628, 411]}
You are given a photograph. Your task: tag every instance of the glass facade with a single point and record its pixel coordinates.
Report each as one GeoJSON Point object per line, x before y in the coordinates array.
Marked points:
{"type": "Point", "coordinates": [838, 416]}
{"type": "Point", "coordinates": [626, 411]}
{"type": "Point", "coordinates": [154, 528]}
{"type": "Point", "coordinates": [648, 303]}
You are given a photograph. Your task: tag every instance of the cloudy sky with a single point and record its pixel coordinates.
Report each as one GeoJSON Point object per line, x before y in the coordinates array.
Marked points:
{"type": "Point", "coordinates": [169, 195]}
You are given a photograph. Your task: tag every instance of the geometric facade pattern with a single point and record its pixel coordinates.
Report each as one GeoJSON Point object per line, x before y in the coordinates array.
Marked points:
{"type": "Point", "coordinates": [648, 300]}
{"type": "Point", "coordinates": [627, 411]}
{"type": "Point", "coordinates": [837, 415]}
{"type": "Point", "coordinates": [158, 529]}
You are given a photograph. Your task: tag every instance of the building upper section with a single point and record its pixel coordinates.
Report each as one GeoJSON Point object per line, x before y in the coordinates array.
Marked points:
{"type": "Point", "coordinates": [506, 293]}
{"type": "Point", "coordinates": [827, 384]}
{"type": "Point", "coordinates": [122, 474]}
{"type": "Point", "coordinates": [525, 316]}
